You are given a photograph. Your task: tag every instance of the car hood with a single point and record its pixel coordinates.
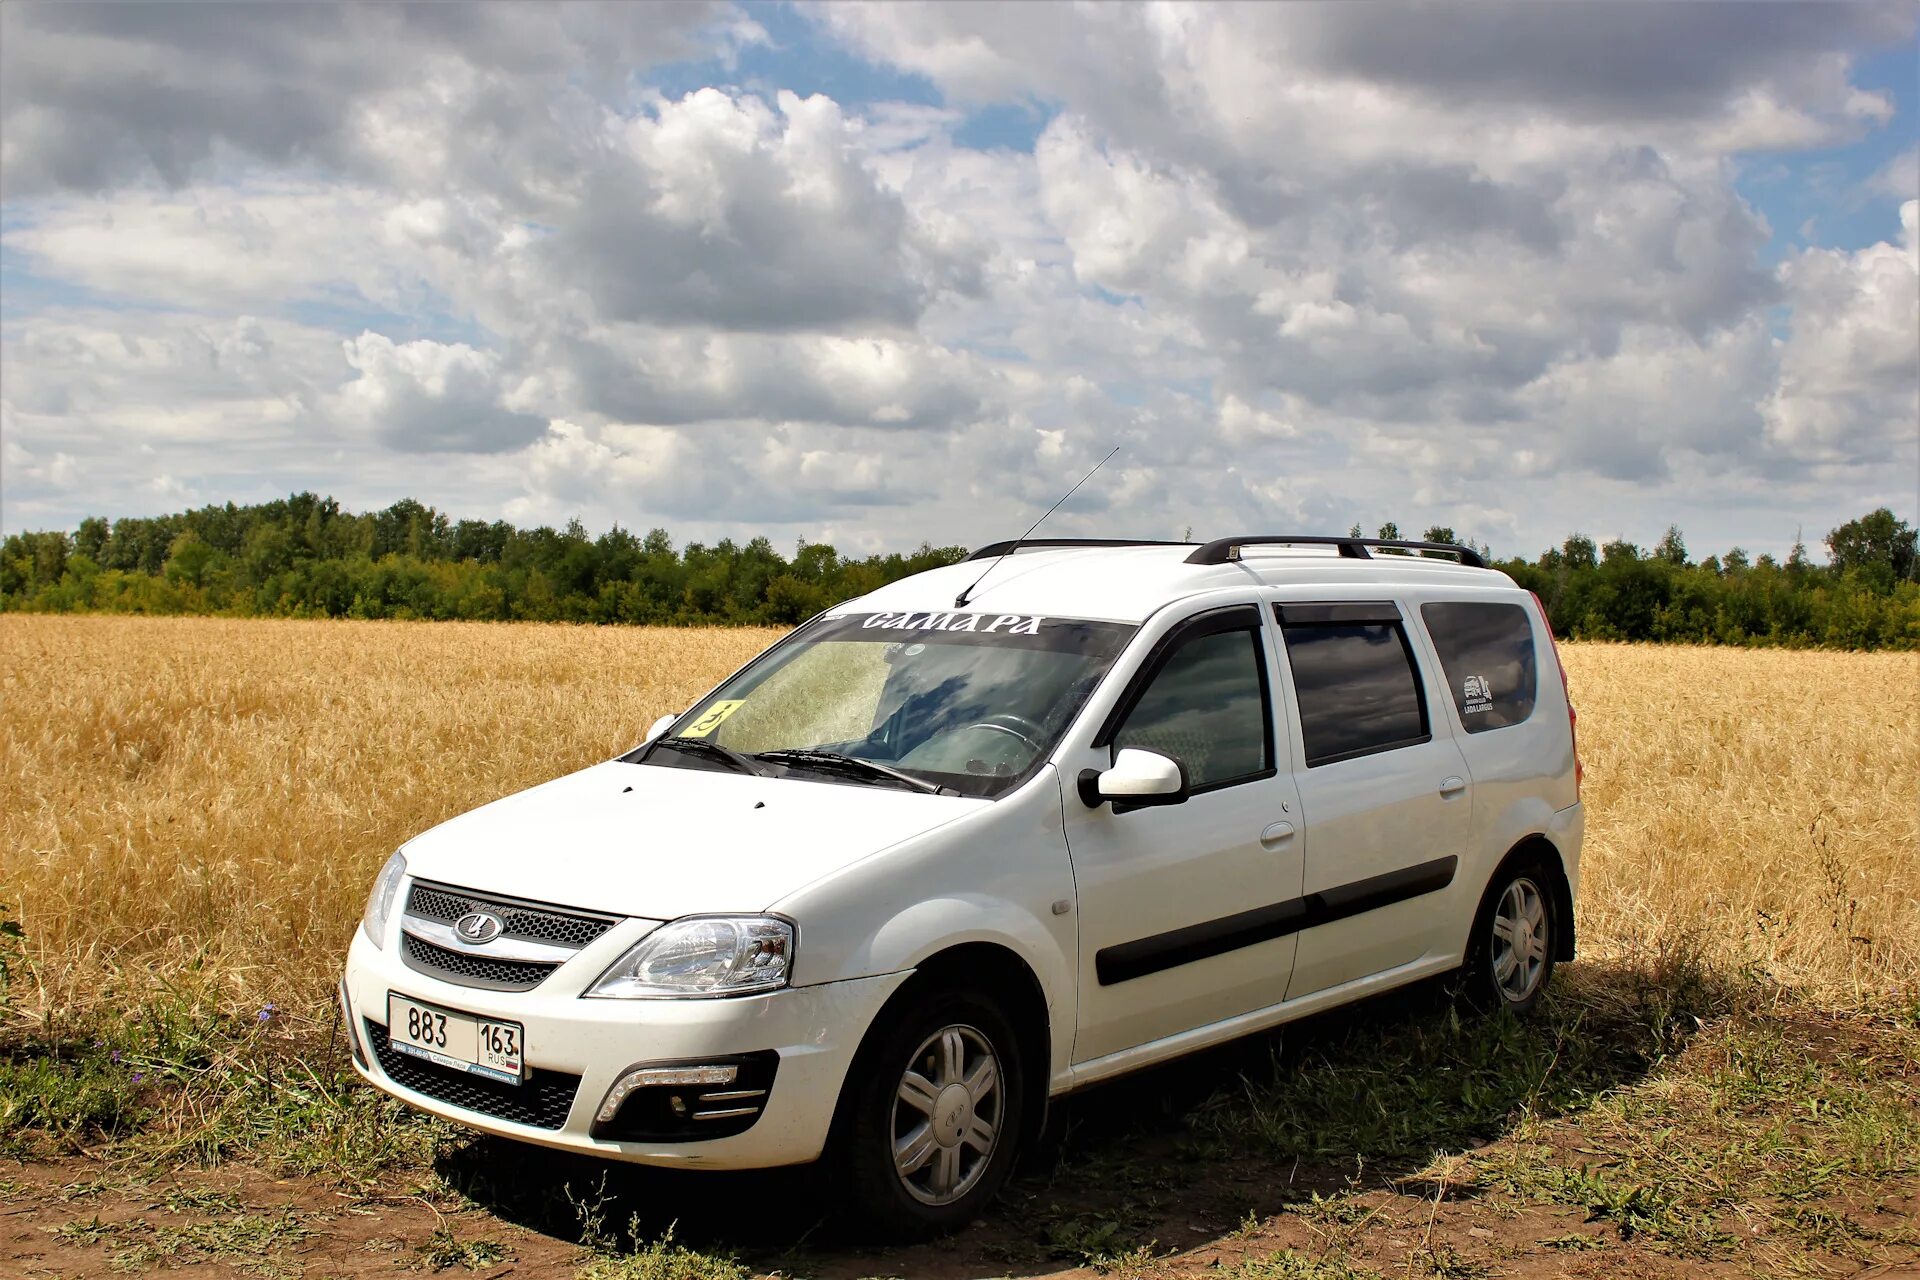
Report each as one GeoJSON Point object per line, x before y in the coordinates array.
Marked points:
{"type": "Point", "coordinates": [659, 842]}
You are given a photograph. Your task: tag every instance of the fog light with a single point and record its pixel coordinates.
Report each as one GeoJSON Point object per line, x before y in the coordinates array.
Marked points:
{"type": "Point", "coordinates": [646, 1077]}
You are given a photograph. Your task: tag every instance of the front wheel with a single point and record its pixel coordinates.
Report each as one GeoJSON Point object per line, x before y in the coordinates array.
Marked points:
{"type": "Point", "coordinates": [1512, 953]}
{"type": "Point", "coordinates": [935, 1119]}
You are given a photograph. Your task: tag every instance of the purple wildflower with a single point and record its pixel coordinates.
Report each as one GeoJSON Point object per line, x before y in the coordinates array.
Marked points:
{"type": "Point", "coordinates": [116, 1055]}
{"type": "Point", "coordinates": [138, 1076]}
{"type": "Point", "coordinates": [267, 1011]}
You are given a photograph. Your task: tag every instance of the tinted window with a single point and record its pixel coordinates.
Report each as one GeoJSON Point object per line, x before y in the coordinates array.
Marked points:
{"type": "Point", "coordinates": [1207, 708]}
{"type": "Point", "coordinates": [1356, 688]}
{"type": "Point", "coordinates": [1487, 652]}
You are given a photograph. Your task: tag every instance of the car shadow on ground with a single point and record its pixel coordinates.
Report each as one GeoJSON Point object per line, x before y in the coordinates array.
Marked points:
{"type": "Point", "coordinates": [1177, 1154]}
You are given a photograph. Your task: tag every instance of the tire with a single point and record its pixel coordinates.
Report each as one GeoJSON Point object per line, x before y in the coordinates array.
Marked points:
{"type": "Point", "coordinates": [942, 1070]}
{"type": "Point", "coordinates": [1516, 933]}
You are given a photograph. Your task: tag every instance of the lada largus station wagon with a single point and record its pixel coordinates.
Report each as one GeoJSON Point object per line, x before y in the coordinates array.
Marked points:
{"type": "Point", "coordinates": [965, 844]}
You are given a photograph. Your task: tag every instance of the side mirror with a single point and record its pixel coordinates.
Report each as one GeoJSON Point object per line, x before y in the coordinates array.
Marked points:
{"type": "Point", "coordinates": [660, 726]}
{"type": "Point", "coordinates": [1138, 778]}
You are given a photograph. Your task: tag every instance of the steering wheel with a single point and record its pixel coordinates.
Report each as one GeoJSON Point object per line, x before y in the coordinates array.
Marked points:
{"type": "Point", "coordinates": [1013, 726]}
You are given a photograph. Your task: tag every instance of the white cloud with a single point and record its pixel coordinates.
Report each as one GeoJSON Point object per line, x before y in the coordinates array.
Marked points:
{"type": "Point", "coordinates": [94, 96]}
{"type": "Point", "coordinates": [1899, 177]}
{"type": "Point", "coordinates": [1306, 266]}
{"type": "Point", "coordinates": [720, 210]}
{"type": "Point", "coordinates": [108, 378]}
{"type": "Point", "coordinates": [216, 407]}
{"type": "Point", "coordinates": [430, 397]}
{"type": "Point", "coordinates": [214, 247]}
{"type": "Point", "coordinates": [661, 376]}
{"type": "Point", "coordinates": [1849, 387]}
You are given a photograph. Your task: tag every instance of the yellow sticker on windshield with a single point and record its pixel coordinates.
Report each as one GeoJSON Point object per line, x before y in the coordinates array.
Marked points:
{"type": "Point", "coordinates": [712, 718]}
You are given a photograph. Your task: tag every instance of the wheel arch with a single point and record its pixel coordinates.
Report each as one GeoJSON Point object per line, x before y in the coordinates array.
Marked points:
{"type": "Point", "coordinates": [1537, 848]}
{"type": "Point", "coordinates": [990, 969]}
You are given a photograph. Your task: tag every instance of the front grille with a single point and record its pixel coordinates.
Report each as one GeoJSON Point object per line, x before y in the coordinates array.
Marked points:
{"type": "Point", "coordinates": [541, 1103]}
{"type": "Point", "coordinates": [471, 970]}
{"type": "Point", "coordinates": [517, 919]}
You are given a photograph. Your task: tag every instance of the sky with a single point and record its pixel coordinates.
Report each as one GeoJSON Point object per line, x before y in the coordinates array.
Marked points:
{"type": "Point", "coordinates": [883, 274]}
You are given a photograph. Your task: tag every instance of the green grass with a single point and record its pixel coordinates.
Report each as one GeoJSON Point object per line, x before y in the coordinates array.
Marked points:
{"type": "Point", "coordinates": [1677, 1115]}
{"type": "Point", "coordinates": [199, 1200]}
{"type": "Point", "coordinates": [658, 1259]}
{"type": "Point", "coordinates": [633, 1254]}
{"type": "Point", "coordinates": [1290, 1265]}
{"type": "Point", "coordinates": [1394, 1094]}
{"type": "Point", "coordinates": [91, 1231]}
{"type": "Point", "coordinates": [175, 1082]}
{"type": "Point", "coordinates": [1444, 1262]}
{"type": "Point", "coordinates": [1681, 1115]}
{"type": "Point", "coordinates": [253, 1243]}
{"type": "Point", "coordinates": [445, 1251]}
{"type": "Point", "coordinates": [1758, 1128]}
{"type": "Point", "coordinates": [1104, 1240]}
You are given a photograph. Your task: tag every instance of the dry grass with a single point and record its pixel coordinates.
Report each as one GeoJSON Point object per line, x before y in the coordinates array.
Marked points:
{"type": "Point", "coordinates": [1759, 807]}
{"type": "Point", "coordinates": [213, 796]}
{"type": "Point", "coordinates": [180, 790]}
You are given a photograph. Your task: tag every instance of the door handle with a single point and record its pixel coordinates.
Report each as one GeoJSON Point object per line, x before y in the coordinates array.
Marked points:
{"type": "Point", "coordinates": [1276, 835]}
{"type": "Point", "coordinates": [1453, 786]}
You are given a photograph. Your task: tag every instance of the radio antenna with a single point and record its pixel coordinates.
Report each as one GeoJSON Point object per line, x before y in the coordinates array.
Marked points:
{"type": "Point", "coordinates": [960, 601]}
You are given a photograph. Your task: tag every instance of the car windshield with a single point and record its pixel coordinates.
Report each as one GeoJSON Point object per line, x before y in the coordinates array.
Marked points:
{"type": "Point", "coordinates": [967, 702]}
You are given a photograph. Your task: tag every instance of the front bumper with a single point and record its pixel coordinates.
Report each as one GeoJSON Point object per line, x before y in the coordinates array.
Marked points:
{"type": "Point", "coordinates": [813, 1030]}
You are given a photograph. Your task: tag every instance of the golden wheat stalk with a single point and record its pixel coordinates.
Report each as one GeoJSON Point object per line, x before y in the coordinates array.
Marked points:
{"type": "Point", "coordinates": [211, 797]}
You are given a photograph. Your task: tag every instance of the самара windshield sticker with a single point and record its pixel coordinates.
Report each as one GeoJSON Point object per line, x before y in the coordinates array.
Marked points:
{"type": "Point", "coordinates": [1013, 624]}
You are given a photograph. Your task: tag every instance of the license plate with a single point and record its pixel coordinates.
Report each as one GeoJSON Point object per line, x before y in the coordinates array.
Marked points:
{"type": "Point", "coordinates": [484, 1046]}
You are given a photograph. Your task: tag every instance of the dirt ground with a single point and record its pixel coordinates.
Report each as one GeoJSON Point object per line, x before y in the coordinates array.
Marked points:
{"type": "Point", "coordinates": [72, 1219]}
{"type": "Point", "coordinates": [1121, 1187]}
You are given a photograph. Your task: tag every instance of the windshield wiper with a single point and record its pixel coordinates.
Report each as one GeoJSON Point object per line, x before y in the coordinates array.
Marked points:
{"type": "Point", "coordinates": [736, 760]}
{"type": "Point", "coordinates": [847, 764]}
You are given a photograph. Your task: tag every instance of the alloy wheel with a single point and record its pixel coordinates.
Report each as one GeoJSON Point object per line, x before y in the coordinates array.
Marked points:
{"type": "Point", "coordinates": [1520, 940]}
{"type": "Point", "coordinates": [947, 1115]}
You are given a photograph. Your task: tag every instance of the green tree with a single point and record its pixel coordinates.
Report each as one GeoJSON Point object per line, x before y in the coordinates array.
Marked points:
{"type": "Point", "coordinates": [90, 540]}
{"type": "Point", "coordinates": [190, 560]}
{"type": "Point", "coordinates": [303, 556]}
{"type": "Point", "coordinates": [1876, 541]}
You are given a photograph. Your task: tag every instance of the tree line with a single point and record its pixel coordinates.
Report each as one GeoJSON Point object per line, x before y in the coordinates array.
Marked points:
{"type": "Point", "coordinates": [305, 557]}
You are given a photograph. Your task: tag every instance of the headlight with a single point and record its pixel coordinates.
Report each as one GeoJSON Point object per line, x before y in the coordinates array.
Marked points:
{"type": "Point", "coordinates": [703, 956]}
{"type": "Point", "coordinates": [380, 901]}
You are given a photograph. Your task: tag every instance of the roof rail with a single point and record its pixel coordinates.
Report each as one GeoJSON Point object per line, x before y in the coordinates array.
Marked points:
{"type": "Point", "coordinates": [1227, 550]}
{"type": "Point", "coordinates": [993, 549]}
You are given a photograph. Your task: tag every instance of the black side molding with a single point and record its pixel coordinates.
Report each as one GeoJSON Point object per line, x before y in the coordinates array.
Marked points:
{"type": "Point", "coordinates": [1126, 961]}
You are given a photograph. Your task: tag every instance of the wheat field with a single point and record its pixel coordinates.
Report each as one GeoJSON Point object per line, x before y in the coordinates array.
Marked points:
{"type": "Point", "coordinates": [204, 801]}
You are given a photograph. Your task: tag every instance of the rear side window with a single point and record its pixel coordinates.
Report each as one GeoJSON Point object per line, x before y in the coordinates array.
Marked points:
{"type": "Point", "coordinates": [1207, 708]}
{"type": "Point", "coordinates": [1354, 682]}
{"type": "Point", "coordinates": [1487, 652]}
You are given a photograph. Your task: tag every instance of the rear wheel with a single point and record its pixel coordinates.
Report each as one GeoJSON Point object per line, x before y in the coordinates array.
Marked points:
{"type": "Point", "coordinates": [934, 1121]}
{"type": "Point", "coordinates": [1515, 937]}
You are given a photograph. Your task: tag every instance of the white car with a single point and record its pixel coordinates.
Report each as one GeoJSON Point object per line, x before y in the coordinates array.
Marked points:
{"type": "Point", "coordinates": [962, 846]}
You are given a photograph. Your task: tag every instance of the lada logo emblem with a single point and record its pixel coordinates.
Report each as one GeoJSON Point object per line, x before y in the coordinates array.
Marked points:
{"type": "Point", "coordinates": [477, 927]}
